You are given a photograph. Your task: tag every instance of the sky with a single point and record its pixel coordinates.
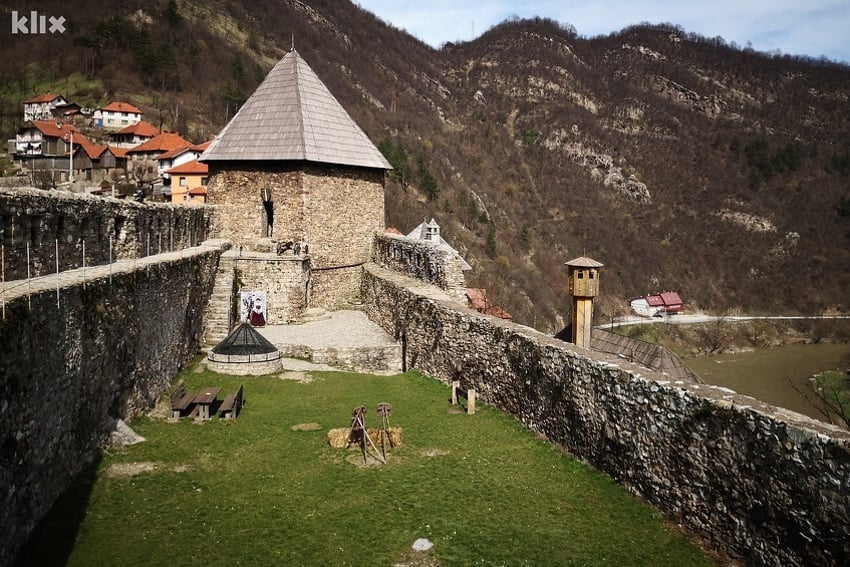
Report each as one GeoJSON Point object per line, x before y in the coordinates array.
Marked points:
{"type": "Point", "coordinates": [796, 27]}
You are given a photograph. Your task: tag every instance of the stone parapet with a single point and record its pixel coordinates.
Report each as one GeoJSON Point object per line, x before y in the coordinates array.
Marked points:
{"type": "Point", "coordinates": [762, 484]}
{"type": "Point", "coordinates": [423, 261]}
{"type": "Point", "coordinates": [36, 223]}
{"type": "Point", "coordinates": [76, 361]}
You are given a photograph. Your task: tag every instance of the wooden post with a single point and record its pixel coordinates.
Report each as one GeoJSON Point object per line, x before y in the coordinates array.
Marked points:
{"type": "Point", "coordinates": [455, 386]}
{"type": "Point", "coordinates": [470, 402]}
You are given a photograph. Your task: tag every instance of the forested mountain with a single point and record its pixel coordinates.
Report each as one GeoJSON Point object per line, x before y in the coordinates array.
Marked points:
{"type": "Point", "coordinates": [678, 161]}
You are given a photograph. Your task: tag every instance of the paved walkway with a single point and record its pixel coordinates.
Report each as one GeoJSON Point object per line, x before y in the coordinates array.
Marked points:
{"type": "Point", "coordinates": [341, 329]}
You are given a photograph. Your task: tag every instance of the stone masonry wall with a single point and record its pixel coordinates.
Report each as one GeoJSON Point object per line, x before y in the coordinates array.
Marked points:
{"type": "Point", "coordinates": [336, 210]}
{"type": "Point", "coordinates": [67, 373]}
{"type": "Point", "coordinates": [135, 230]}
{"type": "Point", "coordinates": [237, 194]}
{"type": "Point", "coordinates": [345, 211]}
{"type": "Point", "coordinates": [423, 261]}
{"type": "Point", "coordinates": [285, 279]}
{"type": "Point", "coordinates": [765, 485]}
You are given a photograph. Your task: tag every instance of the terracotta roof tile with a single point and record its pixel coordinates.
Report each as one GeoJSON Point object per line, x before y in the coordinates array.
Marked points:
{"type": "Point", "coordinates": [193, 167]}
{"type": "Point", "coordinates": [161, 143]}
{"type": "Point", "coordinates": [53, 128]}
{"type": "Point", "coordinates": [119, 106]}
{"type": "Point", "coordinates": [46, 97]}
{"type": "Point", "coordinates": [178, 151]}
{"type": "Point", "coordinates": [140, 128]}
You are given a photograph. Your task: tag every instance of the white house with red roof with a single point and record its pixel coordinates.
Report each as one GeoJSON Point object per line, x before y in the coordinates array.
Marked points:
{"type": "Point", "coordinates": [179, 156]}
{"type": "Point", "coordinates": [41, 107]}
{"type": "Point", "coordinates": [658, 304]}
{"type": "Point", "coordinates": [50, 138]}
{"type": "Point", "coordinates": [117, 115]}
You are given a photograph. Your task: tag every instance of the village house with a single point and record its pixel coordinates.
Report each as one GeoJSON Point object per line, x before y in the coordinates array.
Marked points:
{"type": "Point", "coordinates": [45, 138]}
{"type": "Point", "coordinates": [94, 162]}
{"type": "Point", "coordinates": [189, 182]}
{"type": "Point", "coordinates": [658, 304]}
{"type": "Point", "coordinates": [178, 157]}
{"type": "Point", "coordinates": [133, 135]}
{"type": "Point", "coordinates": [116, 115]}
{"type": "Point", "coordinates": [41, 107]}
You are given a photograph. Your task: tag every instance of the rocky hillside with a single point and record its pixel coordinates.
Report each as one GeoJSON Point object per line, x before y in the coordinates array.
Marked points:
{"type": "Point", "coordinates": [678, 161]}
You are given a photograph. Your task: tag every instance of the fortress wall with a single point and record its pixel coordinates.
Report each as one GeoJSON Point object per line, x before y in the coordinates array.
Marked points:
{"type": "Point", "coordinates": [765, 485]}
{"type": "Point", "coordinates": [423, 261]}
{"type": "Point", "coordinates": [285, 279]}
{"type": "Point", "coordinates": [40, 218]}
{"type": "Point", "coordinates": [68, 373]}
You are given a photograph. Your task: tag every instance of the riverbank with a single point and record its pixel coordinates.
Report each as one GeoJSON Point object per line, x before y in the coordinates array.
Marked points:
{"type": "Point", "coordinates": [772, 360]}
{"type": "Point", "coordinates": [724, 336]}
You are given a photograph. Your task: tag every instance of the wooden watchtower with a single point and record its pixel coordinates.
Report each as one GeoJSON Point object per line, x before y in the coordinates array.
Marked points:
{"type": "Point", "coordinates": [583, 274]}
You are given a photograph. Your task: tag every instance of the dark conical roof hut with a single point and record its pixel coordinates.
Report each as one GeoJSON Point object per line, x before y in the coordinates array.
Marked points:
{"type": "Point", "coordinates": [244, 340]}
{"type": "Point", "coordinates": [244, 351]}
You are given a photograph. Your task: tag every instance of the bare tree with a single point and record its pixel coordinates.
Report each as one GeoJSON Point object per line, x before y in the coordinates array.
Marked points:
{"type": "Point", "coordinates": [713, 337]}
{"type": "Point", "coordinates": [44, 178]}
{"type": "Point", "coordinates": [829, 393]}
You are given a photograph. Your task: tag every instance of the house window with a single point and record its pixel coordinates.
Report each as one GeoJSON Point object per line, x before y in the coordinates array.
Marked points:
{"type": "Point", "coordinates": [203, 180]}
{"type": "Point", "coordinates": [182, 182]}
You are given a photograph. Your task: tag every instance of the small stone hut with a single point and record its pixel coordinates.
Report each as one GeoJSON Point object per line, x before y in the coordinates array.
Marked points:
{"type": "Point", "coordinates": [293, 173]}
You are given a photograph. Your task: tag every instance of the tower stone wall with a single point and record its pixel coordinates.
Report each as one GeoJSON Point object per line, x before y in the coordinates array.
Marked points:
{"type": "Point", "coordinates": [335, 210]}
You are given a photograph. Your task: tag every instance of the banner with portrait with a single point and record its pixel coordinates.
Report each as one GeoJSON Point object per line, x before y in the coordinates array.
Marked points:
{"type": "Point", "coordinates": [253, 308]}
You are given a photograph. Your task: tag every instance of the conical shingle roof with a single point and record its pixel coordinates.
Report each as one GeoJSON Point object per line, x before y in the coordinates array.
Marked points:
{"type": "Point", "coordinates": [293, 116]}
{"type": "Point", "coordinates": [244, 340]}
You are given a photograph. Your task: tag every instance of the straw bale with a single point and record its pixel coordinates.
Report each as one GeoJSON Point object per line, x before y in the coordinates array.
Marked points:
{"type": "Point", "coordinates": [338, 438]}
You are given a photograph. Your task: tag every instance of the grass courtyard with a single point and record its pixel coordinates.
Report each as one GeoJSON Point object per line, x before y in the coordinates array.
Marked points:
{"type": "Point", "coordinates": [267, 489]}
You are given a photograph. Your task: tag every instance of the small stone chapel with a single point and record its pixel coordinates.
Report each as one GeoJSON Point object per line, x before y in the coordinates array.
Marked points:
{"type": "Point", "coordinates": [298, 188]}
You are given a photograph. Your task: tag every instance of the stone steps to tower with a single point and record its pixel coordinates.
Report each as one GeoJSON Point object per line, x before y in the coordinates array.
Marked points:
{"type": "Point", "coordinates": [218, 310]}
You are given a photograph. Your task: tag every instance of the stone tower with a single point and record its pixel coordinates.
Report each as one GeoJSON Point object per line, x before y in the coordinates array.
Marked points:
{"type": "Point", "coordinates": [293, 172]}
{"type": "Point", "coordinates": [583, 275]}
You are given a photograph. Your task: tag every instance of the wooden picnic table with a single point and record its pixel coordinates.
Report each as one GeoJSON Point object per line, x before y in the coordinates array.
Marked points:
{"type": "Point", "coordinates": [205, 398]}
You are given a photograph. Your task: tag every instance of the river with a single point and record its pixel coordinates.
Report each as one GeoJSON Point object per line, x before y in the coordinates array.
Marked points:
{"type": "Point", "coordinates": [768, 374]}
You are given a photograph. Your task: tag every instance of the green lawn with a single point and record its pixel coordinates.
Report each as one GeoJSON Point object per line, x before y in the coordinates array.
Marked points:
{"type": "Point", "coordinates": [255, 491]}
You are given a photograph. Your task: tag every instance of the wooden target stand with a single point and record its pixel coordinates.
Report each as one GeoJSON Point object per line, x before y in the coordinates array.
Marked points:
{"type": "Point", "coordinates": [357, 432]}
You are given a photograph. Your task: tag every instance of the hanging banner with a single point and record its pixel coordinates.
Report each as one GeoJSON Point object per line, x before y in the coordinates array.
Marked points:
{"type": "Point", "coordinates": [253, 308]}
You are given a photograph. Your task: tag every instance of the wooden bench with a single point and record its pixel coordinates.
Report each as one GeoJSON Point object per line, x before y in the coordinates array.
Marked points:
{"type": "Point", "coordinates": [468, 394]}
{"type": "Point", "coordinates": [181, 400]}
{"type": "Point", "coordinates": [232, 405]}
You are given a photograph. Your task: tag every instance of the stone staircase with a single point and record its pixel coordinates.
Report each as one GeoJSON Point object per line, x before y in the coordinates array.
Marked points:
{"type": "Point", "coordinates": [217, 315]}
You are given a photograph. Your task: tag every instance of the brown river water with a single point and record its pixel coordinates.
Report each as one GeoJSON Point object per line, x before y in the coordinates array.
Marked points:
{"type": "Point", "coordinates": [767, 374]}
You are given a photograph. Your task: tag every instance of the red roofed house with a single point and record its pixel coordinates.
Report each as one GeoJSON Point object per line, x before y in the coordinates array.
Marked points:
{"type": "Point", "coordinates": [45, 138]}
{"type": "Point", "coordinates": [133, 135]}
{"type": "Point", "coordinates": [94, 162]}
{"type": "Point", "coordinates": [180, 156]}
{"type": "Point", "coordinates": [658, 304]}
{"type": "Point", "coordinates": [142, 162]}
{"type": "Point", "coordinates": [116, 115]}
{"type": "Point", "coordinates": [189, 182]}
{"type": "Point", "coordinates": [41, 107]}
{"type": "Point", "coordinates": [46, 146]}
